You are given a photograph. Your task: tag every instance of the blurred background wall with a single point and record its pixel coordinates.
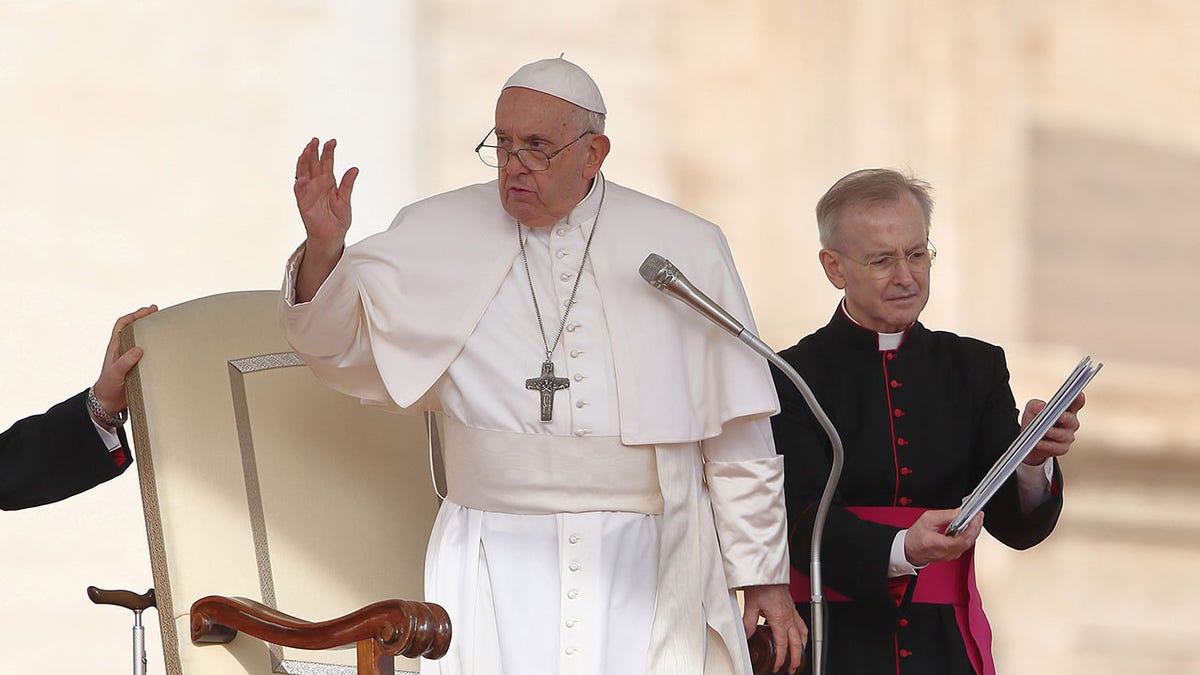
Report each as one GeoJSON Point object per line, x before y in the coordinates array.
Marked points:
{"type": "Point", "coordinates": [147, 155]}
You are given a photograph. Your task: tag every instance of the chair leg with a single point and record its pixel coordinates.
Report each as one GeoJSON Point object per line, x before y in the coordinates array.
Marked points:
{"type": "Point", "coordinates": [372, 660]}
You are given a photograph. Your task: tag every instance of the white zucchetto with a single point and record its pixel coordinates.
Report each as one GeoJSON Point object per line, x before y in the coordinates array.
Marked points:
{"type": "Point", "coordinates": [562, 79]}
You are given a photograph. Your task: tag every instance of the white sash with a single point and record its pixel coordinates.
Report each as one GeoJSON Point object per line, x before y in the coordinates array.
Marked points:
{"type": "Point", "coordinates": [517, 473]}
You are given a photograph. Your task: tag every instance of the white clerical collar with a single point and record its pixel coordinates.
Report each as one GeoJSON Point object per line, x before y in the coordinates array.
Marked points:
{"type": "Point", "coordinates": [887, 341]}
{"type": "Point", "coordinates": [583, 212]}
{"type": "Point", "coordinates": [586, 209]}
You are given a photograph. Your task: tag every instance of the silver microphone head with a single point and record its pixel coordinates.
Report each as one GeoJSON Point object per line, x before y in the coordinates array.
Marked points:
{"type": "Point", "coordinates": [658, 271]}
{"type": "Point", "coordinates": [661, 274]}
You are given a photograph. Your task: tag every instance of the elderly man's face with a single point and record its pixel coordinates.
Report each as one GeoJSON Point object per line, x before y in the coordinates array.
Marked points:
{"type": "Point", "coordinates": [868, 232]}
{"type": "Point", "coordinates": [530, 119]}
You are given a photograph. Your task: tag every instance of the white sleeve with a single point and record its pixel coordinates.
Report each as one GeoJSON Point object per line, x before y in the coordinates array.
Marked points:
{"type": "Point", "coordinates": [1033, 484]}
{"type": "Point", "coordinates": [745, 484]}
{"type": "Point", "coordinates": [330, 331]}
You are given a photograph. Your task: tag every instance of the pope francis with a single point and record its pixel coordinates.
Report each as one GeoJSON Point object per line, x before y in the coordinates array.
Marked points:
{"type": "Point", "coordinates": [611, 475]}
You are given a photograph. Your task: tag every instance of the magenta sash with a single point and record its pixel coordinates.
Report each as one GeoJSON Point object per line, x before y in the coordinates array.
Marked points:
{"type": "Point", "coordinates": [939, 583]}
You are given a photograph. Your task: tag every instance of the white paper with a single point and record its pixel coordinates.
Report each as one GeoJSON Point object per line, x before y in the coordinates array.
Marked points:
{"type": "Point", "coordinates": [1024, 443]}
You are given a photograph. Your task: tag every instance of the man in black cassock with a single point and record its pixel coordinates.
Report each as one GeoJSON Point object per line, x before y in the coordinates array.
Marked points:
{"type": "Point", "coordinates": [922, 415]}
{"type": "Point", "coordinates": [75, 445]}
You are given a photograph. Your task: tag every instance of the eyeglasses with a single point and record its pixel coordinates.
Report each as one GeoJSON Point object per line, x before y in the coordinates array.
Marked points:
{"type": "Point", "coordinates": [882, 267]}
{"type": "Point", "coordinates": [534, 160]}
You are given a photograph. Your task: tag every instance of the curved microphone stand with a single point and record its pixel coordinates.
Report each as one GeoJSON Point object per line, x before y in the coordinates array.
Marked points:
{"type": "Point", "coordinates": [661, 274]}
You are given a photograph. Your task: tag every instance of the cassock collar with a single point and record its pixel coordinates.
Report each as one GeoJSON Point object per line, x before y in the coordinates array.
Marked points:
{"type": "Point", "coordinates": [849, 331]}
{"type": "Point", "coordinates": [587, 207]}
{"type": "Point", "coordinates": [584, 212]}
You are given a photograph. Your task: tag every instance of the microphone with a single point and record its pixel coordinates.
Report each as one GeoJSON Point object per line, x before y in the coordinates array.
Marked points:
{"type": "Point", "coordinates": [661, 274]}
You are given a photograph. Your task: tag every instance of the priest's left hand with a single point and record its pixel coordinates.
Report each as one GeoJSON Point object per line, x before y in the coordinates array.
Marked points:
{"type": "Point", "coordinates": [774, 603]}
{"type": "Point", "coordinates": [1059, 438]}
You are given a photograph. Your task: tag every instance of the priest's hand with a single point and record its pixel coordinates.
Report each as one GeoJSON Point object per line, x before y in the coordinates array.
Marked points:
{"type": "Point", "coordinates": [1059, 438]}
{"type": "Point", "coordinates": [110, 386]}
{"type": "Point", "coordinates": [325, 209]}
{"type": "Point", "coordinates": [926, 541]}
{"type": "Point", "coordinates": [774, 603]}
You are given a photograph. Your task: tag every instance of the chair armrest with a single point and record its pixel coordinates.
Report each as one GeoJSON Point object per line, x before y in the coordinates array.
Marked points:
{"type": "Point", "coordinates": [411, 629]}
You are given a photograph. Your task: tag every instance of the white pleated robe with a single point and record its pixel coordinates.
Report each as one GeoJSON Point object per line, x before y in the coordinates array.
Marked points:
{"type": "Point", "coordinates": [435, 313]}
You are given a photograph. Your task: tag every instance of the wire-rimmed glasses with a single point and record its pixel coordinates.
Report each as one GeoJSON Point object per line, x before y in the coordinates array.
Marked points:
{"type": "Point", "coordinates": [497, 157]}
{"type": "Point", "coordinates": [883, 266]}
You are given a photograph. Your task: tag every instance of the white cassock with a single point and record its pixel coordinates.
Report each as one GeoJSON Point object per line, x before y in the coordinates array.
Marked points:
{"type": "Point", "coordinates": [587, 544]}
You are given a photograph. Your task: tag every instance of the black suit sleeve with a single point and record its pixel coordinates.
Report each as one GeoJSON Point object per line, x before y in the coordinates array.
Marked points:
{"type": "Point", "coordinates": [49, 457]}
{"type": "Point", "coordinates": [1002, 515]}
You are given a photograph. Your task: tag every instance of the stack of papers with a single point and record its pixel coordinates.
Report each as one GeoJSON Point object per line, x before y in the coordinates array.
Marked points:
{"type": "Point", "coordinates": [1023, 445]}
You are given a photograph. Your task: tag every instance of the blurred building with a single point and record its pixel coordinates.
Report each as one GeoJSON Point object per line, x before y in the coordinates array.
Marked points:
{"type": "Point", "coordinates": [154, 144]}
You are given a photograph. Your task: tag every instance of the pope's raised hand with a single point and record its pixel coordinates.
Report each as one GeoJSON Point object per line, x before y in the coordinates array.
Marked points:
{"type": "Point", "coordinates": [324, 204]}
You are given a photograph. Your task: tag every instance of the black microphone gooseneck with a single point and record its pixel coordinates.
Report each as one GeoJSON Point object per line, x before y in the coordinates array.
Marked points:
{"type": "Point", "coordinates": [661, 274]}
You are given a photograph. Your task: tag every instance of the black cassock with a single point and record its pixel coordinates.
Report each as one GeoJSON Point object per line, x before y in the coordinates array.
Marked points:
{"type": "Point", "coordinates": [48, 457]}
{"type": "Point", "coordinates": [920, 425]}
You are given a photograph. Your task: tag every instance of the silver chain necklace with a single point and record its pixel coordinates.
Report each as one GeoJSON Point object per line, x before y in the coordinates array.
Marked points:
{"type": "Point", "coordinates": [547, 384]}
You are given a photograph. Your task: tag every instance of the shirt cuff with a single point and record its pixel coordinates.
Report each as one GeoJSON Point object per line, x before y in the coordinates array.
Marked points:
{"type": "Point", "coordinates": [1033, 484]}
{"type": "Point", "coordinates": [110, 438]}
{"type": "Point", "coordinates": [898, 564]}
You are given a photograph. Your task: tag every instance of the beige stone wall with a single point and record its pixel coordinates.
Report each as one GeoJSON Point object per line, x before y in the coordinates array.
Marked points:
{"type": "Point", "coordinates": [148, 147]}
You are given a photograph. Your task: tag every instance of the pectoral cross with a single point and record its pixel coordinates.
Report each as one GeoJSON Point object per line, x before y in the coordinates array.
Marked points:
{"type": "Point", "coordinates": [546, 385]}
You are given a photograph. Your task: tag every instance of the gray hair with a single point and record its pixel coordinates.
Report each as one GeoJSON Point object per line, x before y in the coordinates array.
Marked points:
{"type": "Point", "coordinates": [869, 186]}
{"type": "Point", "coordinates": [588, 120]}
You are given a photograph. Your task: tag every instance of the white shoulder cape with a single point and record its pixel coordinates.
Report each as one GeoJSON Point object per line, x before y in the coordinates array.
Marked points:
{"type": "Point", "coordinates": [425, 282]}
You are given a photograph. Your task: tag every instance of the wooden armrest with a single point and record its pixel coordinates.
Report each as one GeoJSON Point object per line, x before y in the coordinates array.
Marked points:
{"type": "Point", "coordinates": [409, 629]}
{"type": "Point", "coordinates": [762, 654]}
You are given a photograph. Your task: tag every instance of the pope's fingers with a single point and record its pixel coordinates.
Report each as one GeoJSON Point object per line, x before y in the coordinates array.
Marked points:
{"type": "Point", "coordinates": [347, 185]}
{"type": "Point", "coordinates": [312, 159]}
{"type": "Point", "coordinates": [327, 156]}
{"type": "Point", "coordinates": [302, 171]}
{"type": "Point", "coordinates": [782, 648]}
{"type": "Point", "coordinates": [796, 644]}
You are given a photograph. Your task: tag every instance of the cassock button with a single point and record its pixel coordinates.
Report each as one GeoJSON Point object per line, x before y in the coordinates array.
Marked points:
{"type": "Point", "coordinates": [904, 471]}
{"type": "Point", "coordinates": [901, 442]}
{"type": "Point", "coordinates": [574, 539]}
{"type": "Point", "coordinates": [562, 232]}
{"type": "Point", "coordinates": [895, 384]}
{"type": "Point", "coordinates": [571, 651]}
{"type": "Point", "coordinates": [903, 622]}
{"type": "Point", "coordinates": [890, 356]}
{"type": "Point", "coordinates": [574, 567]}
{"type": "Point", "coordinates": [571, 327]}
{"type": "Point", "coordinates": [578, 377]}
{"type": "Point", "coordinates": [575, 353]}
{"type": "Point", "coordinates": [898, 412]}
{"type": "Point", "coordinates": [904, 653]}
{"type": "Point", "coordinates": [562, 253]}
{"type": "Point", "coordinates": [565, 276]}
{"type": "Point", "coordinates": [905, 501]}
{"type": "Point", "coordinates": [572, 594]}
{"type": "Point", "coordinates": [569, 623]}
